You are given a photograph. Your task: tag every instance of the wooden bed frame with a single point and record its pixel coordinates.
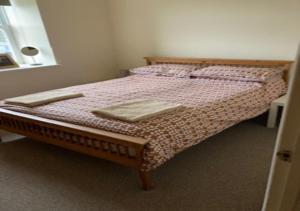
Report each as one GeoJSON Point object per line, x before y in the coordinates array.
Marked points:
{"type": "Point", "coordinates": [118, 148]}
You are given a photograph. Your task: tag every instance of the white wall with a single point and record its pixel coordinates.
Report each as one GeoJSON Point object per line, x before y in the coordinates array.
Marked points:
{"type": "Point", "coordinates": [84, 33]}
{"type": "Point", "coordinates": [80, 36]}
{"type": "Point", "coordinates": [257, 29]}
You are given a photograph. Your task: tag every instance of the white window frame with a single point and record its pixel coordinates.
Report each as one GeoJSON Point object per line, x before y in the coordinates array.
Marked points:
{"type": "Point", "coordinates": [9, 35]}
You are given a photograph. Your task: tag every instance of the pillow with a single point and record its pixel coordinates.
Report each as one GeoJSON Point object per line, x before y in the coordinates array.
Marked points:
{"type": "Point", "coordinates": [254, 74]}
{"type": "Point", "coordinates": [168, 70]}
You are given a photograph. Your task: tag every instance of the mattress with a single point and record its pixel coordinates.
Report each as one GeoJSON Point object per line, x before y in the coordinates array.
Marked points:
{"type": "Point", "coordinates": [209, 107]}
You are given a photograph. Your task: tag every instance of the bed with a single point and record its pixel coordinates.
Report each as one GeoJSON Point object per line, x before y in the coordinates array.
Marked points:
{"type": "Point", "coordinates": [210, 106]}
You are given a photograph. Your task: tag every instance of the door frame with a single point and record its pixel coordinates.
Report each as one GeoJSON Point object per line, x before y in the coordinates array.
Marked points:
{"type": "Point", "coordinates": [284, 183]}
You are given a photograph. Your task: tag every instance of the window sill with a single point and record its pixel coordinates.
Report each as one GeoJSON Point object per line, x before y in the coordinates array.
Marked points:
{"type": "Point", "coordinates": [28, 67]}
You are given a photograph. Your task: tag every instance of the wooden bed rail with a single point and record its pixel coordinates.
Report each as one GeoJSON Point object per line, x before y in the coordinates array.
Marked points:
{"type": "Point", "coordinates": [118, 148]}
{"type": "Point", "coordinates": [286, 64]}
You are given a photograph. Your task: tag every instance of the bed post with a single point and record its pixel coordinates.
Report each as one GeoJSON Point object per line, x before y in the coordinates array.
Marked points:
{"type": "Point", "coordinates": [145, 179]}
{"type": "Point", "coordinates": [148, 61]}
{"type": "Point", "coordinates": [144, 176]}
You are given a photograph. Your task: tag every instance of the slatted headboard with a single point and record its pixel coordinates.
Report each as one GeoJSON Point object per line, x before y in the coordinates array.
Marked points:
{"type": "Point", "coordinates": [203, 61]}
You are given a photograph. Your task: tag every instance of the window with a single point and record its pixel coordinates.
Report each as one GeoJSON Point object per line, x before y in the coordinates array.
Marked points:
{"type": "Point", "coordinates": [17, 21]}
{"type": "Point", "coordinates": [7, 42]}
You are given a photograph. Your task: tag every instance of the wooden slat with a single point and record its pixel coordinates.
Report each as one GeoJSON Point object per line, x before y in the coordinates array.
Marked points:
{"type": "Point", "coordinates": [216, 61]}
{"type": "Point", "coordinates": [67, 127]}
{"type": "Point", "coordinates": [74, 137]}
{"type": "Point", "coordinates": [77, 148]}
{"type": "Point", "coordinates": [67, 143]}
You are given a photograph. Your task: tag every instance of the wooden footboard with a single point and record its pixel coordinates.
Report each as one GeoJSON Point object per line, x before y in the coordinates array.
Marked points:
{"type": "Point", "coordinates": [118, 148]}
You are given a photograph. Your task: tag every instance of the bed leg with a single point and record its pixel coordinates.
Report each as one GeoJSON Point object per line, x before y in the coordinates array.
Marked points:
{"type": "Point", "coordinates": [145, 179]}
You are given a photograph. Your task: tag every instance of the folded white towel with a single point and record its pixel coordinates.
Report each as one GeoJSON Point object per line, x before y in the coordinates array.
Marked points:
{"type": "Point", "coordinates": [42, 98]}
{"type": "Point", "coordinates": [136, 110]}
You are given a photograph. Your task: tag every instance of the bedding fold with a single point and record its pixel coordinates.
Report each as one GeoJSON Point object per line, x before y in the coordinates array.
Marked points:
{"type": "Point", "coordinates": [136, 110]}
{"type": "Point", "coordinates": [42, 98]}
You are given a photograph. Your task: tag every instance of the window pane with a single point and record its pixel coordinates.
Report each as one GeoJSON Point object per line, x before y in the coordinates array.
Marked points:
{"type": "Point", "coordinates": [4, 44]}
{"type": "Point", "coordinates": [2, 17]}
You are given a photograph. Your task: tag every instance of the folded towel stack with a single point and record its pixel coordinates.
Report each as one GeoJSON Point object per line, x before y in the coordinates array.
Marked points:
{"type": "Point", "coordinates": [42, 98]}
{"type": "Point", "coordinates": [136, 110]}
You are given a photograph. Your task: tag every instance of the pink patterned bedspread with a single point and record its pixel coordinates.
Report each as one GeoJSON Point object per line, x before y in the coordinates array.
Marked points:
{"type": "Point", "coordinates": [210, 106]}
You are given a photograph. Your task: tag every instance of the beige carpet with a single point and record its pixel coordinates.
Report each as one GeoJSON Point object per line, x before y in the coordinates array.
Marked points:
{"type": "Point", "coordinates": [226, 173]}
{"type": "Point", "coordinates": [297, 205]}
